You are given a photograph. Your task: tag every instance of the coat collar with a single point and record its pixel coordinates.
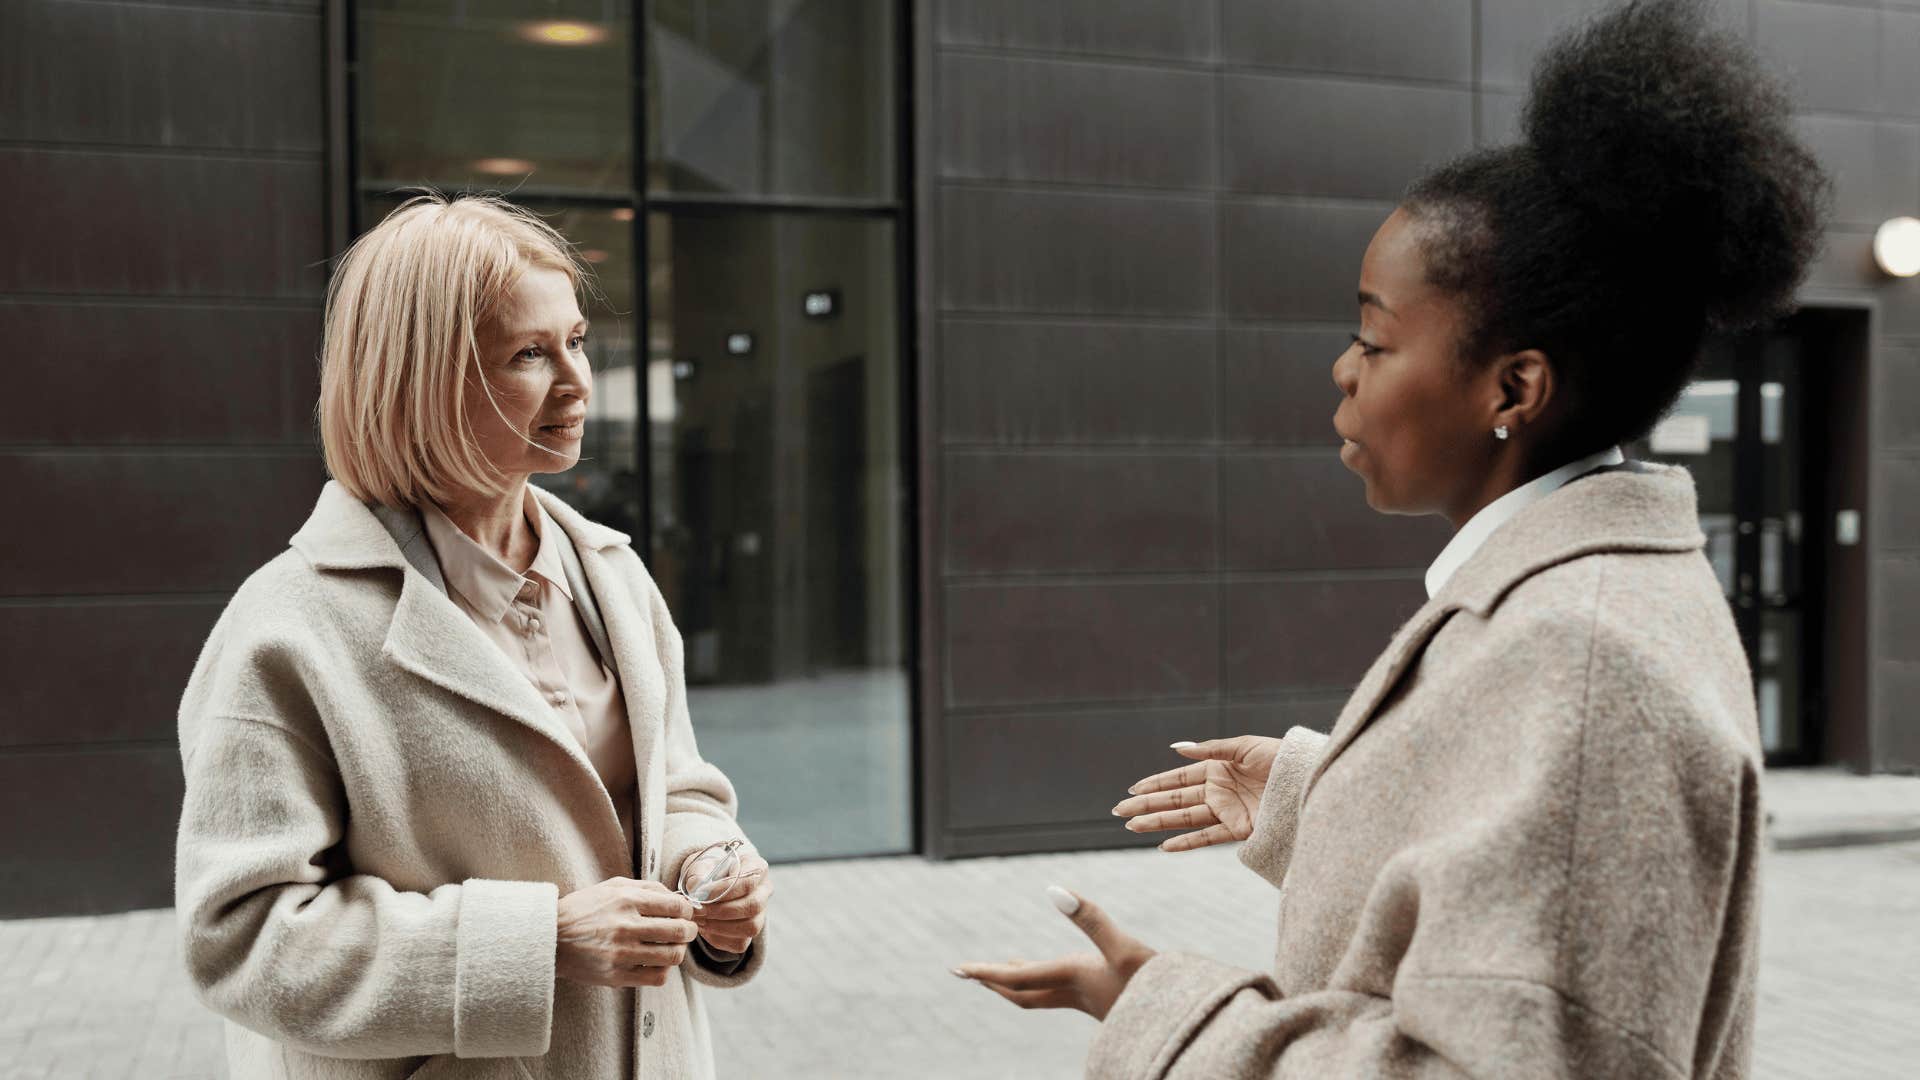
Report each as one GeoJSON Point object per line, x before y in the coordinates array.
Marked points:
{"type": "Point", "coordinates": [1635, 507]}
{"type": "Point", "coordinates": [1631, 507]}
{"type": "Point", "coordinates": [343, 533]}
{"type": "Point", "coordinates": [432, 638]}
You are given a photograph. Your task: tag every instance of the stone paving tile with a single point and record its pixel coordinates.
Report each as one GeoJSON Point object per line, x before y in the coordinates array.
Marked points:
{"type": "Point", "coordinates": [859, 988]}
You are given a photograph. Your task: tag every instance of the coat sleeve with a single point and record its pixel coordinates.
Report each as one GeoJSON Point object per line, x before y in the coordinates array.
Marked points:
{"type": "Point", "coordinates": [281, 937]}
{"type": "Point", "coordinates": [1593, 921]}
{"type": "Point", "coordinates": [700, 802]}
{"type": "Point", "coordinates": [1269, 849]}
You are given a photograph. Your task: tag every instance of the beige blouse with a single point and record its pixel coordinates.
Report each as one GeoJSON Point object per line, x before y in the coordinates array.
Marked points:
{"type": "Point", "coordinates": [533, 620]}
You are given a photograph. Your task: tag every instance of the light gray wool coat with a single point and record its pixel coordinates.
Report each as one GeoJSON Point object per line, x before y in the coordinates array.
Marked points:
{"type": "Point", "coordinates": [381, 814]}
{"type": "Point", "coordinates": [1529, 848]}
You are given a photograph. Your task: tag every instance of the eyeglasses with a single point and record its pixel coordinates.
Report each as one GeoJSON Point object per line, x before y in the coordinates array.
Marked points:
{"type": "Point", "coordinates": [707, 877]}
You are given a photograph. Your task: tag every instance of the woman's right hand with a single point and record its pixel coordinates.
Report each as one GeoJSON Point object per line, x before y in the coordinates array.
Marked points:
{"type": "Point", "coordinates": [1217, 797]}
{"type": "Point", "coordinates": [623, 932]}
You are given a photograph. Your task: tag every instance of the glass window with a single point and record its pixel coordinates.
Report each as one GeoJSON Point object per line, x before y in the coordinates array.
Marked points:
{"type": "Point", "coordinates": [770, 98]}
{"type": "Point", "coordinates": [751, 446]}
{"type": "Point", "coordinates": [778, 526]}
{"type": "Point", "coordinates": [492, 94]}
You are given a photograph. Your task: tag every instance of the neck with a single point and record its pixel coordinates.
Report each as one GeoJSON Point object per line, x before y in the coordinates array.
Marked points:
{"type": "Point", "coordinates": [1508, 471]}
{"type": "Point", "coordinates": [498, 523]}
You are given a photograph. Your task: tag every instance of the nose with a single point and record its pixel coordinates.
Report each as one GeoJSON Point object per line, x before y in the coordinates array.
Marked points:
{"type": "Point", "coordinates": [1345, 371]}
{"type": "Point", "coordinates": [576, 377]}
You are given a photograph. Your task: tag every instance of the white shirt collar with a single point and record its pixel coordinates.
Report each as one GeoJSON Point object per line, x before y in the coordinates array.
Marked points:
{"type": "Point", "coordinates": [478, 574]}
{"type": "Point", "coordinates": [1501, 510]}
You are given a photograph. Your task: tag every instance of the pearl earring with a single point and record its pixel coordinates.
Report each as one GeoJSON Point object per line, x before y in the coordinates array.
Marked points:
{"type": "Point", "coordinates": [1500, 432]}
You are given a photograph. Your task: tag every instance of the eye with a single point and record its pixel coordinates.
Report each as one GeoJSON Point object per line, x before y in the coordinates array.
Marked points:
{"type": "Point", "coordinates": [579, 342]}
{"type": "Point", "coordinates": [530, 353]}
{"type": "Point", "coordinates": [1366, 347]}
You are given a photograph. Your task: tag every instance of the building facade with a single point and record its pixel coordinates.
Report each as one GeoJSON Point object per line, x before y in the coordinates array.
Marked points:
{"type": "Point", "coordinates": [962, 372]}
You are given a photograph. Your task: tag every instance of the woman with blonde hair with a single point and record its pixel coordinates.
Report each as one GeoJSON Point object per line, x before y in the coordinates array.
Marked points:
{"type": "Point", "coordinates": [439, 768]}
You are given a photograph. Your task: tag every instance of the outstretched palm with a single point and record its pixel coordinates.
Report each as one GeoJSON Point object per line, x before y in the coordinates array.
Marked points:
{"type": "Point", "coordinates": [1216, 797]}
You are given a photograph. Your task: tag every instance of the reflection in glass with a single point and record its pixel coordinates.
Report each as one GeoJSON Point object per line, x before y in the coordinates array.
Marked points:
{"type": "Point", "coordinates": [777, 523]}
{"type": "Point", "coordinates": [495, 95]}
{"type": "Point", "coordinates": [1777, 676]}
{"type": "Point", "coordinates": [770, 97]}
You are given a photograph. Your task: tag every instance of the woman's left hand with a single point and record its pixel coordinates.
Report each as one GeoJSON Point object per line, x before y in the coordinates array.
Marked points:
{"type": "Point", "coordinates": [731, 924]}
{"type": "Point", "coordinates": [1090, 982]}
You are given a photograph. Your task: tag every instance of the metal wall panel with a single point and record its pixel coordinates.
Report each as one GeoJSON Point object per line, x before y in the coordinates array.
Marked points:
{"type": "Point", "coordinates": [1430, 40]}
{"type": "Point", "coordinates": [1165, 29]}
{"type": "Point", "coordinates": [1072, 383]}
{"type": "Point", "coordinates": [1076, 512]}
{"type": "Point", "coordinates": [166, 227]}
{"type": "Point", "coordinates": [1075, 121]}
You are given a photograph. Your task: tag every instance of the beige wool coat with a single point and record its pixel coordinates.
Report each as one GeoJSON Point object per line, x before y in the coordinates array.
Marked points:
{"type": "Point", "coordinates": [1529, 848]}
{"type": "Point", "coordinates": [381, 814]}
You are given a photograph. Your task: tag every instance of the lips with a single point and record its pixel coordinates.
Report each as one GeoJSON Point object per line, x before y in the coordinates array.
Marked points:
{"type": "Point", "coordinates": [570, 427]}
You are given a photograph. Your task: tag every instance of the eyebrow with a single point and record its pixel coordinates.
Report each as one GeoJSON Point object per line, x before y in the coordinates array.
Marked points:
{"type": "Point", "coordinates": [1369, 298]}
{"type": "Point", "coordinates": [534, 332]}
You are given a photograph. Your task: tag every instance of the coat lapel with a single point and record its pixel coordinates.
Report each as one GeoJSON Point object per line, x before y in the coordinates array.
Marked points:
{"type": "Point", "coordinates": [429, 636]}
{"type": "Point", "coordinates": [631, 650]}
{"type": "Point", "coordinates": [630, 638]}
{"type": "Point", "coordinates": [1381, 678]}
{"type": "Point", "coordinates": [434, 639]}
{"type": "Point", "coordinates": [1633, 508]}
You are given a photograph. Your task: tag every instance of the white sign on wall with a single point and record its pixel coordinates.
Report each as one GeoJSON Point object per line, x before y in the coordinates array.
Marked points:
{"type": "Point", "coordinates": [1683, 433]}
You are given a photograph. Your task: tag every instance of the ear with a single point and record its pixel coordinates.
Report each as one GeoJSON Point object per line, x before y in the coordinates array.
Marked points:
{"type": "Point", "coordinates": [1525, 386]}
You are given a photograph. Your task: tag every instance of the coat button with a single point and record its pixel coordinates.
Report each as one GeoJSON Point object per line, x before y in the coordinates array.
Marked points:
{"type": "Point", "coordinates": [646, 1025]}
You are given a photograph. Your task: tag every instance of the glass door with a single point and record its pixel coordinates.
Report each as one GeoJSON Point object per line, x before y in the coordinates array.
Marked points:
{"type": "Point", "coordinates": [1741, 429]}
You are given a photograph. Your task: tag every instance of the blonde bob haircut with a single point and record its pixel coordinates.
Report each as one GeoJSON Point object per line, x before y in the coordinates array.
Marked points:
{"type": "Point", "coordinates": [401, 340]}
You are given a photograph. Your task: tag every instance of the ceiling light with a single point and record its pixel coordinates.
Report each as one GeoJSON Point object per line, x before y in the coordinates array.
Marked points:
{"type": "Point", "coordinates": [503, 166]}
{"type": "Point", "coordinates": [1896, 247]}
{"type": "Point", "coordinates": [563, 32]}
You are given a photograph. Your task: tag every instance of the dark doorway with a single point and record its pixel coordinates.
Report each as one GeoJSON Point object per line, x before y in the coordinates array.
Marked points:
{"type": "Point", "coordinates": [1770, 430]}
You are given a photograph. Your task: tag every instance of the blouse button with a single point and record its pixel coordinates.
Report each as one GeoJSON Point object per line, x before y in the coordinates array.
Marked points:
{"type": "Point", "coordinates": [559, 697]}
{"type": "Point", "coordinates": [533, 624]}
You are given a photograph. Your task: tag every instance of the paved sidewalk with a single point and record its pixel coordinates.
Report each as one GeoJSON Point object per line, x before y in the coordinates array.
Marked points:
{"type": "Point", "coordinates": [859, 988]}
{"type": "Point", "coordinates": [1830, 807]}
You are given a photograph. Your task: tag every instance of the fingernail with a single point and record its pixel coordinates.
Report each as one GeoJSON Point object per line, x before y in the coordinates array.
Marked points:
{"type": "Point", "coordinates": [1117, 813]}
{"type": "Point", "coordinates": [958, 974]}
{"type": "Point", "coordinates": [1062, 899]}
{"type": "Point", "coordinates": [1182, 744]}
{"type": "Point", "coordinates": [1134, 790]}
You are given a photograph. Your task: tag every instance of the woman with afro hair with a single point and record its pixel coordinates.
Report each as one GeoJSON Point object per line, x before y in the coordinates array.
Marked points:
{"type": "Point", "coordinates": [1530, 846]}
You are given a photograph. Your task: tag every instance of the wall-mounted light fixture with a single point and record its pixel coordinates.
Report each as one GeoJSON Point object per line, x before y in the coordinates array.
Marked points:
{"type": "Point", "coordinates": [821, 304]}
{"type": "Point", "coordinates": [739, 344]}
{"type": "Point", "coordinates": [1896, 246]}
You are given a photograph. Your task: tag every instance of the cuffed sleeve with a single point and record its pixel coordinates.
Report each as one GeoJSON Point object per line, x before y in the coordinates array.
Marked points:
{"type": "Point", "coordinates": [279, 936]}
{"type": "Point", "coordinates": [504, 968]}
{"type": "Point", "coordinates": [720, 961]}
{"type": "Point", "coordinates": [1270, 848]}
{"type": "Point", "coordinates": [1191, 1018]}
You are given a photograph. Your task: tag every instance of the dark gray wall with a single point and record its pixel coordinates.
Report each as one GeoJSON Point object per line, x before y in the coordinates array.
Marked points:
{"type": "Point", "coordinates": [161, 235]}
{"type": "Point", "coordinates": [1141, 223]}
